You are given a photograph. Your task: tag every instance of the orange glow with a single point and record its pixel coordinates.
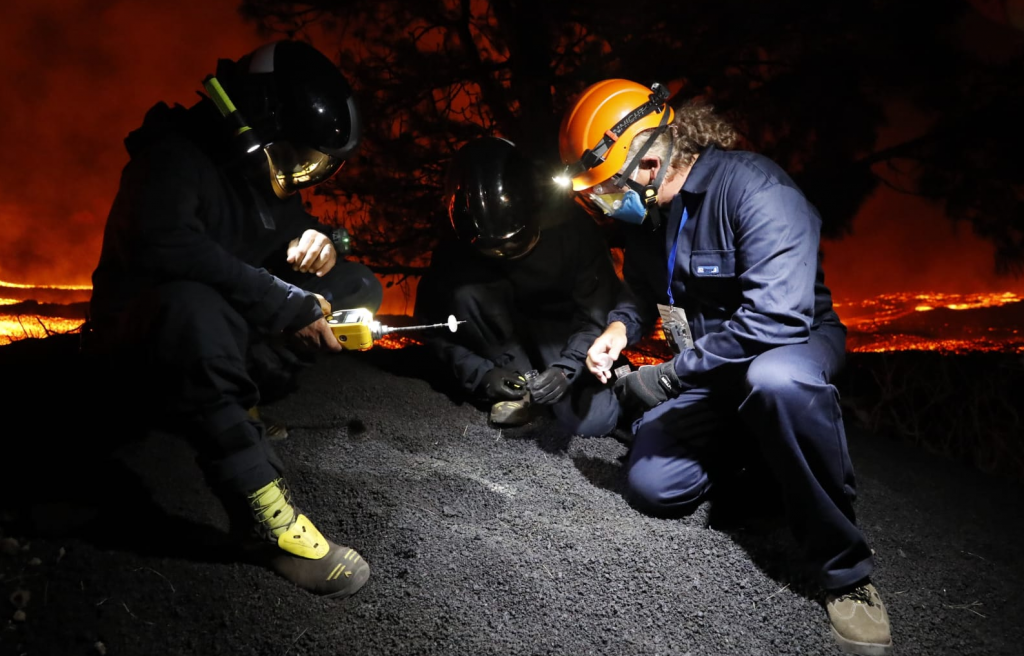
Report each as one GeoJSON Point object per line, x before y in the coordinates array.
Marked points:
{"type": "Point", "coordinates": [77, 94]}
{"type": "Point", "coordinates": [14, 328]}
{"type": "Point", "coordinates": [51, 225]}
{"type": "Point", "coordinates": [887, 323]}
{"type": "Point", "coordinates": [14, 285]}
{"type": "Point", "coordinates": [638, 359]}
{"type": "Point", "coordinates": [946, 323]}
{"type": "Point", "coordinates": [897, 343]}
{"type": "Point", "coordinates": [392, 342]}
{"type": "Point", "coordinates": [890, 322]}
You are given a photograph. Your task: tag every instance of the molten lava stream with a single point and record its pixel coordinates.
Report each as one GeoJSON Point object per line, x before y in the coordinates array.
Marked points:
{"type": "Point", "coordinates": [944, 323]}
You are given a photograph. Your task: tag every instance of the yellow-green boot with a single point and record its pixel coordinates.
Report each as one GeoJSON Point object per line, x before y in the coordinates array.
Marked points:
{"type": "Point", "coordinates": [293, 547]}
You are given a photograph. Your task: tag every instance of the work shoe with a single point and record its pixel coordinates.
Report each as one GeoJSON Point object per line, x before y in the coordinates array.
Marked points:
{"type": "Point", "coordinates": [275, 429]}
{"type": "Point", "coordinates": [511, 413]}
{"type": "Point", "coordinates": [859, 622]}
{"type": "Point", "coordinates": [288, 543]}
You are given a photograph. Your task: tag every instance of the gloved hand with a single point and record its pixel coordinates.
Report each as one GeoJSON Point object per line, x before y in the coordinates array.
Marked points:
{"type": "Point", "coordinates": [502, 385]}
{"type": "Point", "coordinates": [649, 385]}
{"type": "Point", "coordinates": [548, 387]}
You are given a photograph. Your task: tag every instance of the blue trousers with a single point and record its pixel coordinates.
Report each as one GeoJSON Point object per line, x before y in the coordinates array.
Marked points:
{"type": "Point", "coordinates": [784, 405]}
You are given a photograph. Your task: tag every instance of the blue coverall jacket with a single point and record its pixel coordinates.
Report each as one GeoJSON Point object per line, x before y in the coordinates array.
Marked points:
{"type": "Point", "coordinates": [747, 268]}
{"type": "Point", "coordinates": [744, 241]}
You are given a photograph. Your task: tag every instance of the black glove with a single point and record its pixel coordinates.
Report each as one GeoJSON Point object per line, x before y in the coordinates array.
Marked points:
{"type": "Point", "coordinates": [548, 387]}
{"type": "Point", "coordinates": [649, 385]}
{"type": "Point", "coordinates": [502, 385]}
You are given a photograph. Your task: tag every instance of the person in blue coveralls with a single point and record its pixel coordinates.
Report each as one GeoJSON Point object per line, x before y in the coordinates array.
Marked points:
{"type": "Point", "coordinates": [724, 247]}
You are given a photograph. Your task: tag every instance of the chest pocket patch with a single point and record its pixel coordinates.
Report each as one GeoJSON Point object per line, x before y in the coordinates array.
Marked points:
{"type": "Point", "coordinates": [713, 264]}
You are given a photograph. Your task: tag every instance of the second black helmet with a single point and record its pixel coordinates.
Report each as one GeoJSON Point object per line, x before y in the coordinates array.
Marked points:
{"type": "Point", "coordinates": [492, 198]}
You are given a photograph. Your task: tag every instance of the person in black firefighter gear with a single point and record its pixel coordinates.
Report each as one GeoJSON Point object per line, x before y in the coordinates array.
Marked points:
{"type": "Point", "coordinates": [209, 285]}
{"type": "Point", "coordinates": [533, 278]}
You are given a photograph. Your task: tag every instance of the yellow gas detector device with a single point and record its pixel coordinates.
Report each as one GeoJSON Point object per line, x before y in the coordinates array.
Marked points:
{"type": "Point", "coordinates": [357, 330]}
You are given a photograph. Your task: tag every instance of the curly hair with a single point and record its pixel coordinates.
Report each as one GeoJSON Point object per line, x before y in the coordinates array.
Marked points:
{"type": "Point", "coordinates": [695, 127]}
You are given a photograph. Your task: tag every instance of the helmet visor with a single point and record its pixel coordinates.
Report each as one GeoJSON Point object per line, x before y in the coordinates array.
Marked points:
{"type": "Point", "coordinates": [298, 167]}
{"type": "Point", "coordinates": [604, 198]}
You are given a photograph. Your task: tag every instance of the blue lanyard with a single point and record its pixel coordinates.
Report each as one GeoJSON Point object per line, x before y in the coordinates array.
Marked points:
{"type": "Point", "coordinates": [672, 256]}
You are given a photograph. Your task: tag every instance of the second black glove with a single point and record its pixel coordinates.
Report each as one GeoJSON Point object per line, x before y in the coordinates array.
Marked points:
{"type": "Point", "coordinates": [649, 385]}
{"type": "Point", "coordinates": [548, 387]}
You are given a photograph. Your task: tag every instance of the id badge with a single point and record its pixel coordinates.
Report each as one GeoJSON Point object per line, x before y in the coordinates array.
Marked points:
{"type": "Point", "coordinates": [675, 327]}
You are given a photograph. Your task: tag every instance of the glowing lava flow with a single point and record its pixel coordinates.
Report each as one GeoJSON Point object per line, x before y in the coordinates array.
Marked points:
{"type": "Point", "coordinates": [22, 317]}
{"type": "Point", "coordinates": [392, 342]}
{"type": "Point", "coordinates": [17, 327]}
{"type": "Point", "coordinates": [945, 323]}
{"type": "Point", "coordinates": [15, 285]}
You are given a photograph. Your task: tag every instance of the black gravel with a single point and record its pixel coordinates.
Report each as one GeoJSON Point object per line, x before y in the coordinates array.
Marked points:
{"type": "Point", "coordinates": [481, 541]}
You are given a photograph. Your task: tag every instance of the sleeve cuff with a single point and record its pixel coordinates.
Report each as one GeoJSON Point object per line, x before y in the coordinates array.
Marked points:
{"type": "Point", "coordinates": [633, 333]}
{"type": "Point", "coordinates": [571, 366]}
{"type": "Point", "coordinates": [308, 312]}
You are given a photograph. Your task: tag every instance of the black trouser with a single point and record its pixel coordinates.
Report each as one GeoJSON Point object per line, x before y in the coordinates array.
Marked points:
{"type": "Point", "coordinates": [187, 355]}
{"type": "Point", "coordinates": [498, 331]}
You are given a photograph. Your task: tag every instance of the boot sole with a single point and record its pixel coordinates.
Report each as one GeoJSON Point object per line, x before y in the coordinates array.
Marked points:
{"type": "Point", "coordinates": [862, 648]}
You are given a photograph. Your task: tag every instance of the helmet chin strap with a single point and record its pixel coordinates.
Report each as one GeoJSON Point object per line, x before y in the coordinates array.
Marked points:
{"type": "Point", "coordinates": [254, 174]}
{"type": "Point", "coordinates": [651, 190]}
{"type": "Point", "coordinates": [649, 193]}
{"type": "Point", "coordinates": [262, 208]}
{"type": "Point", "coordinates": [656, 184]}
{"type": "Point", "coordinates": [275, 184]}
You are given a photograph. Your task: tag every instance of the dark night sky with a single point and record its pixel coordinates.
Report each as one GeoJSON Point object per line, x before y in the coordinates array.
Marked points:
{"type": "Point", "coordinates": [79, 74]}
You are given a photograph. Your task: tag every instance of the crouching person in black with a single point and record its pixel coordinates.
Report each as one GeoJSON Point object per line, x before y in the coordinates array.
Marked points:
{"type": "Point", "coordinates": [531, 275]}
{"type": "Point", "coordinates": [212, 279]}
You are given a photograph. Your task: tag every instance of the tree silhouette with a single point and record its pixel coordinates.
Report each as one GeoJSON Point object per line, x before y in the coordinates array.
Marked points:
{"type": "Point", "coordinates": [806, 83]}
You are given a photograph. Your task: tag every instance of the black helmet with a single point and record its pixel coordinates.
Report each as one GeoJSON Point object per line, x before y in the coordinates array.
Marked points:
{"type": "Point", "coordinates": [301, 108]}
{"type": "Point", "coordinates": [493, 198]}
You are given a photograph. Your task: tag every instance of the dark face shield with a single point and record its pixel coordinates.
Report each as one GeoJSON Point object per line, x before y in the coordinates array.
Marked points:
{"type": "Point", "coordinates": [512, 247]}
{"type": "Point", "coordinates": [299, 167]}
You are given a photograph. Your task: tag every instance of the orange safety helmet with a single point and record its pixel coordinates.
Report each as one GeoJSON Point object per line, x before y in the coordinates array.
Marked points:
{"type": "Point", "coordinates": [597, 130]}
